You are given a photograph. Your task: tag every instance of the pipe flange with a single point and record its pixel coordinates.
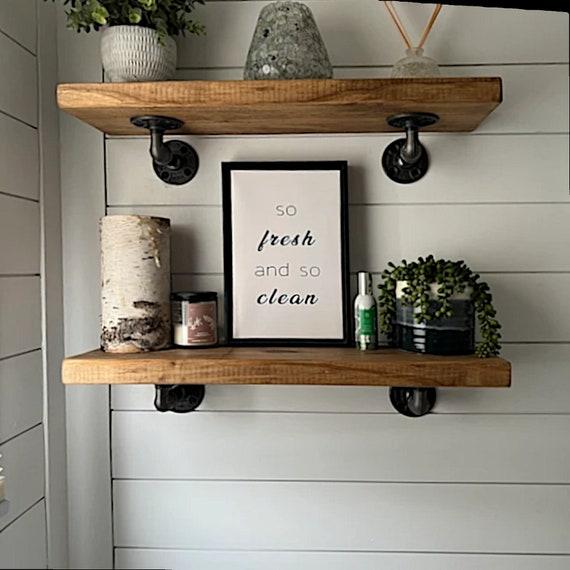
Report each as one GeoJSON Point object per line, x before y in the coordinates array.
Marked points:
{"type": "Point", "coordinates": [178, 398]}
{"type": "Point", "coordinates": [413, 402]}
{"type": "Point", "coordinates": [157, 122]}
{"type": "Point", "coordinates": [406, 160]}
{"type": "Point", "coordinates": [417, 120]}
{"type": "Point", "coordinates": [400, 171]}
{"type": "Point", "coordinates": [175, 161]}
{"type": "Point", "coordinates": [186, 160]}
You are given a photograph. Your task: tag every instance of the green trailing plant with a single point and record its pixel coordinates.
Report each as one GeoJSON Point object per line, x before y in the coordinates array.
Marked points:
{"type": "Point", "coordinates": [167, 17]}
{"type": "Point", "coordinates": [453, 277]}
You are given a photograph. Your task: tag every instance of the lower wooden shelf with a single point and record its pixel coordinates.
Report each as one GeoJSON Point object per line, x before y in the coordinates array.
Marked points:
{"type": "Point", "coordinates": [318, 366]}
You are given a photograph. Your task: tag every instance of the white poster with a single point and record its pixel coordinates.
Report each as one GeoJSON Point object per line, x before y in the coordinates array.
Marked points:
{"type": "Point", "coordinates": [285, 246]}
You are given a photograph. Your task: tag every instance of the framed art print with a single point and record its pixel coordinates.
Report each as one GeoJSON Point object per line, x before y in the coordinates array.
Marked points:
{"type": "Point", "coordinates": [286, 253]}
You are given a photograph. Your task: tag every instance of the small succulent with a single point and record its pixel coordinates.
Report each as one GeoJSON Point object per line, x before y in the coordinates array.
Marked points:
{"type": "Point", "coordinates": [453, 277]}
{"type": "Point", "coordinates": [167, 17]}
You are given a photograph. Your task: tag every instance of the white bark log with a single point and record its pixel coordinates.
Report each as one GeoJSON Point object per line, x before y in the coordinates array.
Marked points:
{"type": "Point", "coordinates": [135, 283]}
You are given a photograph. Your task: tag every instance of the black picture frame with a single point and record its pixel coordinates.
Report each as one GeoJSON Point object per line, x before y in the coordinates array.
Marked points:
{"type": "Point", "coordinates": [336, 165]}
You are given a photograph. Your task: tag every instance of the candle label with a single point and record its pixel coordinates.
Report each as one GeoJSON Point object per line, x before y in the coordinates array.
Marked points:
{"type": "Point", "coordinates": [195, 323]}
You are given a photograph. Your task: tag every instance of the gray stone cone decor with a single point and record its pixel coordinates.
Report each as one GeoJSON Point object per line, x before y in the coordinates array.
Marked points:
{"type": "Point", "coordinates": [287, 44]}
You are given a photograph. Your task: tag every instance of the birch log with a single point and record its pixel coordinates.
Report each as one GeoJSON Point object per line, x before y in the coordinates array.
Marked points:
{"type": "Point", "coordinates": [135, 283]}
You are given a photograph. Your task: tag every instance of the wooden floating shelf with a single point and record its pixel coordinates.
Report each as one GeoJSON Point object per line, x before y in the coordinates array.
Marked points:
{"type": "Point", "coordinates": [283, 107]}
{"type": "Point", "coordinates": [318, 366]}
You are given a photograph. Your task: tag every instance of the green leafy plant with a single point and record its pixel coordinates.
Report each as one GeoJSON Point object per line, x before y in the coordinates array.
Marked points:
{"type": "Point", "coordinates": [167, 17]}
{"type": "Point", "coordinates": [453, 277]}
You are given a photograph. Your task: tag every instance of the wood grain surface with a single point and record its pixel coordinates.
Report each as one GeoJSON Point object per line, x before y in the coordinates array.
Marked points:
{"type": "Point", "coordinates": [283, 107]}
{"type": "Point", "coordinates": [320, 366]}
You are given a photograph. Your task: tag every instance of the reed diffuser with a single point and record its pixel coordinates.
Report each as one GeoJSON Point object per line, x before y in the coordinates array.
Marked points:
{"type": "Point", "coordinates": [415, 63]}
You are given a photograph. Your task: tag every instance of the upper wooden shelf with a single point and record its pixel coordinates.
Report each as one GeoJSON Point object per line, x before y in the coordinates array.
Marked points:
{"type": "Point", "coordinates": [319, 366]}
{"type": "Point", "coordinates": [283, 107]}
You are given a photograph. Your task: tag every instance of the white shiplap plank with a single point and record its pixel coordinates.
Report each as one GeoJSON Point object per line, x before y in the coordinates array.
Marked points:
{"type": "Point", "coordinates": [196, 235]}
{"type": "Point", "coordinates": [490, 237]}
{"type": "Point", "coordinates": [362, 34]}
{"type": "Point", "coordinates": [464, 168]}
{"type": "Point", "coordinates": [343, 447]}
{"type": "Point", "coordinates": [20, 310]}
{"type": "Point", "coordinates": [211, 560]}
{"type": "Point", "coordinates": [20, 394]}
{"type": "Point", "coordinates": [342, 516]}
{"type": "Point", "coordinates": [19, 21]}
{"type": "Point", "coordinates": [526, 91]}
{"type": "Point", "coordinates": [23, 543]}
{"type": "Point", "coordinates": [534, 96]}
{"type": "Point", "coordinates": [19, 236]}
{"type": "Point", "coordinates": [19, 171]}
{"type": "Point", "coordinates": [521, 237]}
{"type": "Point", "coordinates": [23, 462]}
{"type": "Point", "coordinates": [540, 386]}
{"type": "Point", "coordinates": [18, 91]}
{"type": "Point", "coordinates": [525, 314]}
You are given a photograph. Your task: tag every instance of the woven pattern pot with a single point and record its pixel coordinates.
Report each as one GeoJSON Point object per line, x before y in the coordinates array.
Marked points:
{"type": "Point", "coordinates": [133, 53]}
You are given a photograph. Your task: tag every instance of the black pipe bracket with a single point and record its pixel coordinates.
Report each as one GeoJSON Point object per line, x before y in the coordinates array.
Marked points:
{"type": "Point", "coordinates": [406, 160]}
{"type": "Point", "coordinates": [174, 162]}
{"type": "Point", "coordinates": [413, 402]}
{"type": "Point", "coordinates": [178, 398]}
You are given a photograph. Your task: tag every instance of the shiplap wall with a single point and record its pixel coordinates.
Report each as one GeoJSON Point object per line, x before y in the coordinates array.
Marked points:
{"type": "Point", "coordinates": [32, 434]}
{"type": "Point", "coordinates": [315, 478]}
{"type": "Point", "coordinates": [23, 533]}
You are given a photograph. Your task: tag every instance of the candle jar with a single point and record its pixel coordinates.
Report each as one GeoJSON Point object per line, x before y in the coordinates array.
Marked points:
{"type": "Point", "coordinates": [195, 319]}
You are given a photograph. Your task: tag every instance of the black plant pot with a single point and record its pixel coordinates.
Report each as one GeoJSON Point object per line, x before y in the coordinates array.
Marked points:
{"type": "Point", "coordinates": [445, 336]}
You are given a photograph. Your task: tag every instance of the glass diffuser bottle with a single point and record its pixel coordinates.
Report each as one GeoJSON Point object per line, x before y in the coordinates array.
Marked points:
{"type": "Point", "coordinates": [415, 63]}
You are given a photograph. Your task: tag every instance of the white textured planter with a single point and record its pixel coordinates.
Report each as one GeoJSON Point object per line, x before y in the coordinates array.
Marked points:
{"type": "Point", "coordinates": [133, 53]}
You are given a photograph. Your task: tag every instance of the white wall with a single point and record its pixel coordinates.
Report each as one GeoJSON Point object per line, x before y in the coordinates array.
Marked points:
{"type": "Point", "coordinates": [314, 478]}
{"type": "Point", "coordinates": [32, 434]}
